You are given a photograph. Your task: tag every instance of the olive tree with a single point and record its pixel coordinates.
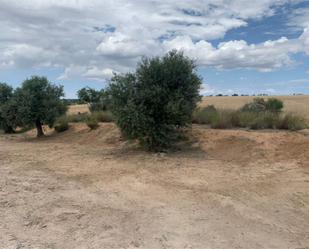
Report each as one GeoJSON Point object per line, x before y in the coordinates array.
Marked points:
{"type": "Point", "coordinates": [97, 100]}
{"type": "Point", "coordinates": [39, 103]}
{"type": "Point", "coordinates": [152, 103]}
{"type": "Point", "coordinates": [7, 114]}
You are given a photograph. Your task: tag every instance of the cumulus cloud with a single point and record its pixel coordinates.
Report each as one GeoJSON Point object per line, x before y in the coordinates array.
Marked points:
{"type": "Point", "coordinates": [238, 54]}
{"type": "Point", "coordinates": [93, 38]}
{"type": "Point", "coordinates": [207, 89]}
{"type": "Point", "coordinates": [99, 74]}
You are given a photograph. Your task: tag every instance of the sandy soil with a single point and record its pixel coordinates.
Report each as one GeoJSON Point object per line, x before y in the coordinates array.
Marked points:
{"type": "Point", "coordinates": [221, 189]}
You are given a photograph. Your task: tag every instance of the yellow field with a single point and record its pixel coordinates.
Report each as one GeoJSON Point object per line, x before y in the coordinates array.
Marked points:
{"type": "Point", "coordinates": [294, 104]}
{"type": "Point", "coordinates": [75, 109]}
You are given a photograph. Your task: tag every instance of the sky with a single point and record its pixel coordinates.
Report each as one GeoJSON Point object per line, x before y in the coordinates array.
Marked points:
{"type": "Point", "coordinates": [240, 46]}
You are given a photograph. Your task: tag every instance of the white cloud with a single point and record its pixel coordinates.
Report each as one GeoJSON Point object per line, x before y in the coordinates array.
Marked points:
{"type": "Point", "coordinates": [99, 74]}
{"type": "Point", "coordinates": [92, 38]}
{"type": "Point", "coordinates": [206, 89]}
{"type": "Point", "coordinates": [72, 72]}
{"type": "Point", "coordinates": [238, 54]}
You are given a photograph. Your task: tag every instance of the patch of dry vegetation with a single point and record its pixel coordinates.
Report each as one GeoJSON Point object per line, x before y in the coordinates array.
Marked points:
{"type": "Point", "coordinates": [292, 104]}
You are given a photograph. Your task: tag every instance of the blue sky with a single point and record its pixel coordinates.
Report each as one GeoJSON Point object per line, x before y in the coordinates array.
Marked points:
{"type": "Point", "coordinates": [244, 47]}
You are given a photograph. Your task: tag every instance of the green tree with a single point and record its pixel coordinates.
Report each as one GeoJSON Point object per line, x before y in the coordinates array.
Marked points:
{"type": "Point", "coordinates": [88, 95]}
{"type": "Point", "coordinates": [39, 103]}
{"type": "Point", "coordinates": [6, 92]}
{"type": "Point", "coordinates": [98, 100]}
{"type": "Point", "coordinates": [151, 104]}
{"type": "Point", "coordinates": [7, 114]}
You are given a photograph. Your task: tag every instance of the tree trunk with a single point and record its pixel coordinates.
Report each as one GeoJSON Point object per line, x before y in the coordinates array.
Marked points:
{"type": "Point", "coordinates": [39, 128]}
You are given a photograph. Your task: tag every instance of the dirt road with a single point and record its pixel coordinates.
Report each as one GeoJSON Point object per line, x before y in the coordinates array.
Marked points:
{"type": "Point", "coordinates": [225, 189]}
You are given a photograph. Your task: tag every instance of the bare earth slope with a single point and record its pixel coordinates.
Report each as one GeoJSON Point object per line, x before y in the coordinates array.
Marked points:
{"type": "Point", "coordinates": [227, 189]}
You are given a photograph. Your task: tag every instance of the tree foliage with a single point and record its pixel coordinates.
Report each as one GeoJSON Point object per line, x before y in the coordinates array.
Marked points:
{"type": "Point", "coordinates": [98, 100]}
{"type": "Point", "coordinates": [7, 113]}
{"type": "Point", "coordinates": [39, 102]}
{"type": "Point", "coordinates": [154, 102]}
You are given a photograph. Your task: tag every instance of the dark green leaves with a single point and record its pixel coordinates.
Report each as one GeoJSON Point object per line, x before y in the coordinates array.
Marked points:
{"type": "Point", "coordinates": [154, 102]}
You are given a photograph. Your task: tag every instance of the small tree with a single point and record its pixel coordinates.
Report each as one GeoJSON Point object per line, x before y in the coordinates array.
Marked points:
{"type": "Point", "coordinates": [39, 102]}
{"type": "Point", "coordinates": [98, 100]}
{"type": "Point", "coordinates": [154, 102]}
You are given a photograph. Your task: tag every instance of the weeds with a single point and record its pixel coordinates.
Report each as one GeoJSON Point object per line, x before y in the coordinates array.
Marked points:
{"type": "Point", "coordinates": [292, 122]}
{"type": "Point", "coordinates": [92, 123]}
{"type": "Point", "coordinates": [103, 117]}
{"type": "Point", "coordinates": [62, 124]}
{"type": "Point", "coordinates": [225, 119]}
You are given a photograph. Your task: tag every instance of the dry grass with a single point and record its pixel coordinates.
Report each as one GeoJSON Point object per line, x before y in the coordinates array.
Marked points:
{"type": "Point", "coordinates": [295, 104]}
{"type": "Point", "coordinates": [75, 109]}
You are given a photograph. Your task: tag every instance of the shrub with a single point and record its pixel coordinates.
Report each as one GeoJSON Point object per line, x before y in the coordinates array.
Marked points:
{"type": "Point", "coordinates": [62, 124]}
{"type": "Point", "coordinates": [92, 123]}
{"type": "Point", "coordinates": [257, 105]}
{"type": "Point", "coordinates": [274, 105]}
{"type": "Point", "coordinates": [267, 120]}
{"type": "Point", "coordinates": [103, 116]}
{"type": "Point", "coordinates": [292, 122]}
{"type": "Point", "coordinates": [223, 119]}
{"type": "Point", "coordinates": [204, 115]}
{"type": "Point", "coordinates": [77, 118]}
{"type": "Point", "coordinates": [246, 118]}
{"type": "Point", "coordinates": [151, 104]}
{"type": "Point", "coordinates": [260, 105]}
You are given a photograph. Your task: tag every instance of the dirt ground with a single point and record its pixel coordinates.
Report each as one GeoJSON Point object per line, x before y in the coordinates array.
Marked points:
{"type": "Point", "coordinates": [221, 189]}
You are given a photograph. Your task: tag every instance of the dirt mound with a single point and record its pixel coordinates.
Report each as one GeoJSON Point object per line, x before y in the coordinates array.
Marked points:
{"type": "Point", "coordinates": [106, 135]}
{"type": "Point", "coordinates": [242, 146]}
{"type": "Point", "coordinates": [238, 146]}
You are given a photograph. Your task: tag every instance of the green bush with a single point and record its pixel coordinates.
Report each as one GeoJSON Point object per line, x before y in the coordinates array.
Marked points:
{"type": "Point", "coordinates": [204, 115]}
{"type": "Point", "coordinates": [62, 124]}
{"type": "Point", "coordinates": [260, 105]}
{"type": "Point", "coordinates": [292, 122]}
{"type": "Point", "coordinates": [103, 116]}
{"type": "Point", "coordinates": [257, 105]}
{"type": "Point", "coordinates": [274, 105]}
{"type": "Point", "coordinates": [92, 123]}
{"type": "Point", "coordinates": [152, 104]}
